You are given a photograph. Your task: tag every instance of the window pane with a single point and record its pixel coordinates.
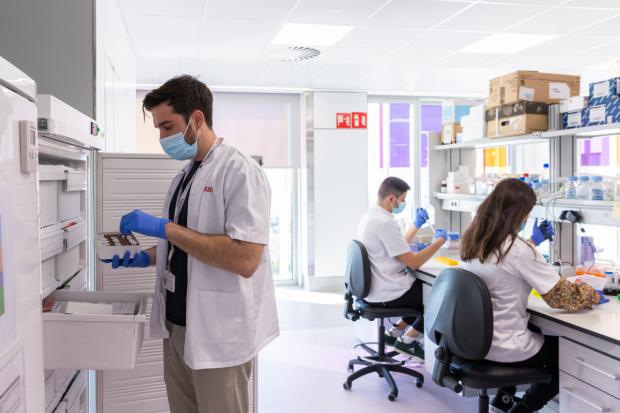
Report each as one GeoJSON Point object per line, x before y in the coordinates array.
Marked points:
{"type": "Point", "coordinates": [282, 229]}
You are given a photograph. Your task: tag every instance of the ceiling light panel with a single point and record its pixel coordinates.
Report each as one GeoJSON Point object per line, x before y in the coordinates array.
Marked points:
{"type": "Point", "coordinates": [341, 12]}
{"type": "Point", "coordinates": [506, 43]}
{"type": "Point", "coordinates": [418, 14]}
{"type": "Point", "coordinates": [490, 17]}
{"type": "Point", "coordinates": [380, 37]}
{"type": "Point", "coordinates": [303, 34]}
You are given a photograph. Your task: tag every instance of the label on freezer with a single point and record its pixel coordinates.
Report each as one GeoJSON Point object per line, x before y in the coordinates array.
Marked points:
{"type": "Point", "coordinates": [559, 90]}
{"type": "Point", "coordinates": [527, 93]}
{"type": "Point", "coordinates": [573, 120]}
{"type": "Point", "coordinates": [600, 89]}
{"type": "Point", "coordinates": [597, 114]}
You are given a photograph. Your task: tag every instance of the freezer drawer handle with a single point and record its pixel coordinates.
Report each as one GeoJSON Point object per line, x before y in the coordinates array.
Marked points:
{"type": "Point", "coordinates": [582, 399]}
{"type": "Point", "coordinates": [582, 363]}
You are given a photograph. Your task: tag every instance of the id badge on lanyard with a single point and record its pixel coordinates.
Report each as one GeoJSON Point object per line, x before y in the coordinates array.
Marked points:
{"type": "Point", "coordinates": [169, 277]}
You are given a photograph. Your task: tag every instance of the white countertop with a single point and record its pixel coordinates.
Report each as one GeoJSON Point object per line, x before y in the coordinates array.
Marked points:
{"type": "Point", "coordinates": [602, 321]}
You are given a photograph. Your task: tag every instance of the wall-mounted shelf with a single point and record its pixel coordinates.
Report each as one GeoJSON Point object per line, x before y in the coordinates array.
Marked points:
{"type": "Point", "coordinates": [588, 132]}
{"type": "Point", "coordinates": [593, 212]}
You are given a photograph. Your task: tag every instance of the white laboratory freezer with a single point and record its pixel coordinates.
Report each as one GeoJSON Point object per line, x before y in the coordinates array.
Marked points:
{"type": "Point", "coordinates": [21, 353]}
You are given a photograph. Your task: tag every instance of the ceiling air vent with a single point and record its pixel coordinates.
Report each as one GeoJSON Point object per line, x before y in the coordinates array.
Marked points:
{"type": "Point", "coordinates": [294, 54]}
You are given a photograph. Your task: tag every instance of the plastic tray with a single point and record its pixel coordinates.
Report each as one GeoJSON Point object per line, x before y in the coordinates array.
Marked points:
{"type": "Point", "coordinates": [107, 252]}
{"type": "Point", "coordinates": [94, 342]}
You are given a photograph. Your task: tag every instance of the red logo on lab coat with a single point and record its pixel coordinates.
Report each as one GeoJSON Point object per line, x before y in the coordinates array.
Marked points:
{"type": "Point", "coordinates": [208, 189]}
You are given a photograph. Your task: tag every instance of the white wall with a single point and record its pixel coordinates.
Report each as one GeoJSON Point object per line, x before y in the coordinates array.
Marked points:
{"type": "Point", "coordinates": [52, 41]}
{"type": "Point", "coordinates": [340, 175]}
{"type": "Point", "coordinates": [115, 79]}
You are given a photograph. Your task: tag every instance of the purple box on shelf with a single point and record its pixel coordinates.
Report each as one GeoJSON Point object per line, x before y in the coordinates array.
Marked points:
{"type": "Point", "coordinates": [602, 92]}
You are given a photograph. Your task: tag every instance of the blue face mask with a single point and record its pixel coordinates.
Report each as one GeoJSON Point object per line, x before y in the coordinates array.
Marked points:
{"type": "Point", "coordinates": [522, 227]}
{"type": "Point", "coordinates": [177, 148]}
{"type": "Point", "coordinates": [400, 208]}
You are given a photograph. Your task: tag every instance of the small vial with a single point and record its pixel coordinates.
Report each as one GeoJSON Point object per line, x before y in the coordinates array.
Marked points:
{"type": "Point", "coordinates": [571, 188]}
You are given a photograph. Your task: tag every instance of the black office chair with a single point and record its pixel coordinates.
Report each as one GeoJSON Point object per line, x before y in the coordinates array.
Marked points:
{"type": "Point", "coordinates": [459, 319]}
{"type": "Point", "coordinates": [357, 283]}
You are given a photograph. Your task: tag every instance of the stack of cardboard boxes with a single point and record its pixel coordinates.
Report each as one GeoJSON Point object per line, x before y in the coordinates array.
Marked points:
{"type": "Point", "coordinates": [600, 108]}
{"type": "Point", "coordinates": [452, 111]}
{"type": "Point", "coordinates": [518, 102]}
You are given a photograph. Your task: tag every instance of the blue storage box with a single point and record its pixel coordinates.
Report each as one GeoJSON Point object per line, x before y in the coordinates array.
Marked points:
{"type": "Point", "coordinates": [603, 92]}
{"type": "Point", "coordinates": [602, 114]}
{"type": "Point", "coordinates": [573, 119]}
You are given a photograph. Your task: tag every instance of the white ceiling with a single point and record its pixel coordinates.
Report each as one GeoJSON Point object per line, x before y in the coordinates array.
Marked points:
{"type": "Point", "coordinates": [396, 46]}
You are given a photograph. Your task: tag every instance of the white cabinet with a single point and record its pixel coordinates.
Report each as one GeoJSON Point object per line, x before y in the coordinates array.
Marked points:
{"type": "Point", "coordinates": [579, 397]}
{"type": "Point", "coordinates": [589, 380]}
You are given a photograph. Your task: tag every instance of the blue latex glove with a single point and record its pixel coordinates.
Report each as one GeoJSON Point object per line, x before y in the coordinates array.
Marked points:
{"type": "Point", "coordinates": [603, 299]}
{"type": "Point", "coordinates": [143, 223]}
{"type": "Point", "coordinates": [542, 232]}
{"type": "Point", "coordinates": [421, 216]}
{"type": "Point", "coordinates": [441, 233]}
{"type": "Point", "coordinates": [140, 260]}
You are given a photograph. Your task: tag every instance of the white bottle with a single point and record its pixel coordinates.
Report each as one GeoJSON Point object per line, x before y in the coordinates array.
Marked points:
{"type": "Point", "coordinates": [597, 191]}
{"type": "Point", "coordinates": [570, 192]}
{"type": "Point", "coordinates": [583, 187]}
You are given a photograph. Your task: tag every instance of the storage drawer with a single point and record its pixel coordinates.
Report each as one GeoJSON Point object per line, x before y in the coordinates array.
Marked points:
{"type": "Point", "coordinates": [77, 283]}
{"type": "Point", "coordinates": [76, 181]}
{"type": "Point", "coordinates": [94, 342]}
{"type": "Point", "coordinates": [74, 234]}
{"type": "Point", "coordinates": [52, 241]}
{"type": "Point", "coordinates": [67, 264]}
{"type": "Point", "coordinates": [60, 379]}
{"type": "Point", "coordinates": [592, 367]}
{"type": "Point", "coordinates": [48, 273]}
{"type": "Point", "coordinates": [48, 203]}
{"type": "Point", "coordinates": [578, 397]}
{"type": "Point", "coordinates": [50, 392]}
{"type": "Point", "coordinates": [76, 393]}
{"type": "Point", "coordinates": [69, 204]}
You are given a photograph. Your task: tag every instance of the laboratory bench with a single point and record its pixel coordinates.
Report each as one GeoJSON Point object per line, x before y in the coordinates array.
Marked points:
{"type": "Point", "coordinates": [589, 348]}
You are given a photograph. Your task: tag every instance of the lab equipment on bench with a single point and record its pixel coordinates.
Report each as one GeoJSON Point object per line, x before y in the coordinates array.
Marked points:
{"type": "Point", "coordinates": [570, 191]}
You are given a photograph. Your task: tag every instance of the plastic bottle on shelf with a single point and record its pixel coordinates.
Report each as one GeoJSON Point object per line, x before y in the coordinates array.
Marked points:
{"type": "Point", "coordinates": [583, 187]}
{"type": "Point", "coordinates": [608, 189]}
{"type": "Point", "coordinates": [597, 191]}
{"type": "Point", "coordinates": [570, 191]}
{"type": "Point", "coordinates": [546, 172]}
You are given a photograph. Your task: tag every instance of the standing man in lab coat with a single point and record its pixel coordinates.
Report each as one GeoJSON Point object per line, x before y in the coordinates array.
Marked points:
{"type": "Point", "coordinates": [214, 302]}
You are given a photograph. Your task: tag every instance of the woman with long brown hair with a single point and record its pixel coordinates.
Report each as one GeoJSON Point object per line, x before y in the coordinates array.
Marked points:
{"type": "Point", "coordinates": [511, 266]}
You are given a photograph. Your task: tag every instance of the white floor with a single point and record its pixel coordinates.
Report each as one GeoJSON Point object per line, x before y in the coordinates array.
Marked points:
{"type": "Point", "coordinates": [303, 370]}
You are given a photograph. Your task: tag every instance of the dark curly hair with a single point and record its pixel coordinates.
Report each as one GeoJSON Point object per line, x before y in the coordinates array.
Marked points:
{"type": "Point", "coordinates": [185, 94]}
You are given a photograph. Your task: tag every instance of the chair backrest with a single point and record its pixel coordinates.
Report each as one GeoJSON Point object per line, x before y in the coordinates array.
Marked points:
{"type": "Point", "coordinates": [357, 275]}
{"type": "Point", "coordinates": [459, 314]}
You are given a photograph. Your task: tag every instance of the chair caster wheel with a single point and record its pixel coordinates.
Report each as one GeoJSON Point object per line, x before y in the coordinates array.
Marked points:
{"type": "Point", "coordinates": [419, 384]}
{"type": "Point", "coordinates": [392, 397]}
{"type": "Point", "coordinates": [346, 386]}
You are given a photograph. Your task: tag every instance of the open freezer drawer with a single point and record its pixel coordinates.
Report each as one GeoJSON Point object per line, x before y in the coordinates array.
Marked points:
{"type": "Point", "coordinates": [94, 341]}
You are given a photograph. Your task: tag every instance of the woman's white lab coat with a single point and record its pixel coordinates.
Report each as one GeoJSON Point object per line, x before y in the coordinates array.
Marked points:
{"type": "Point", "coordinates": [229, 318]}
